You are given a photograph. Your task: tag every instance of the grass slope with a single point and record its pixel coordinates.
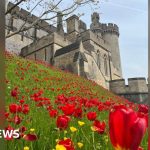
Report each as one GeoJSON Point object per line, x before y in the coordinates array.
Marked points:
{"type": "Point", "coordinates": [31, 77]}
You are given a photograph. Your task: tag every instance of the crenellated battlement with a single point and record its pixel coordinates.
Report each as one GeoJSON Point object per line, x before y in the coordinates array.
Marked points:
{"type": "Point", "coordinates": [22, 14]}
{"type": "Point", "coordinates": [110, 27]}
{"type": "Point", "coordinates": [136, 87]}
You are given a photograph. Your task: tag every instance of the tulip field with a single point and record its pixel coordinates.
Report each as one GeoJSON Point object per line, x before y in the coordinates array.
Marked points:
{"type": "Point", "coordinates": [57, 110]}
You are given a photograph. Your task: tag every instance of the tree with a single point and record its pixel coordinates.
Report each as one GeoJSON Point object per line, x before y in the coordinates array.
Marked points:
{"type": "Point", "coordinates": [49, 9]}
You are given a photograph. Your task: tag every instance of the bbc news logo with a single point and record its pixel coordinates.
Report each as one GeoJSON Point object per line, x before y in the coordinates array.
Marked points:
{"type": "Point", "coordinates": [8, 134]}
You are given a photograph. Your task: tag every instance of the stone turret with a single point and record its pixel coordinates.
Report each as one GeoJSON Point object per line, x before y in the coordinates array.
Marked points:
{"type": "Point", "coordinates": [72, 28]}
{"type": "Point", "coordinates": [73, 24]}
{"type": "Point", "coordinates": [60, 29]}
{"type": "Point", "coordinates": [96, 26]}
{"type": "Point", "coordinates": [110, 35]}
{"type": "Point", "coordinates": [95, 18]}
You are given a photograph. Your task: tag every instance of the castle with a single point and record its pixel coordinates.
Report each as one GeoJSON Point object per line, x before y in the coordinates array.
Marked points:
{"type": "Point", "coordinates": [92, 53]}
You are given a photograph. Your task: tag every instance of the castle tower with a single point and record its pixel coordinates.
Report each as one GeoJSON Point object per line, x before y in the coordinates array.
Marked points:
{"type": "Point", "coordinates": [110, 35]}
{"type": "Point", "coordinates": [6, 3]}
{"type": "Point", "coordinates": [96, 26]}
{"type": "Point", "coordinates": [60, 29]}
{"type": "Point", "coordinates": [72, 27]}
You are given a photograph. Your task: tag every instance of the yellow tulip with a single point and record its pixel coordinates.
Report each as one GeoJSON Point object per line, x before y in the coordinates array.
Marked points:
{"type": "Point", "coordinates": [73, 129]}
{"type": "Point", "coordinates": [32, 130]}
{"type": "Point", "coordinates": [81, 123]}
{"type": "Point", "coordinates": [93, 129]}
{"type": "Point", "coordinates": [26, 148]}
{"type": "Point", "coordinates": [60, 147]}
{"type": "Point", "coordinates": [80, 145]}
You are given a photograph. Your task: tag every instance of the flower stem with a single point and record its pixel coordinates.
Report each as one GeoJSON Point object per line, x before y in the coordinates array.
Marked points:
{"type": "Point", "coordinates": [93, 140]}
{"type": "Point", "coordinates": [85, 136]}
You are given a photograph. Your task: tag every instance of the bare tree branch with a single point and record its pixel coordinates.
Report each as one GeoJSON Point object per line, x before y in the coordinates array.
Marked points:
{"type": "Point", "coordinates": [64, 12]}
{"type": "Point", "coordinates": [9, 11]}
{"type": "Point", "coordinates": [22, 28]}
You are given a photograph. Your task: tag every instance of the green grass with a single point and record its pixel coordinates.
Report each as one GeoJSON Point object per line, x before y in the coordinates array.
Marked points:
{"type": "Point", "coordinates": [30, 77]}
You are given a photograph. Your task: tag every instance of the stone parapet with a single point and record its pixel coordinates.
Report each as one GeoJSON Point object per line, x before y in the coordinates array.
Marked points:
{"type": "Point", "coordinates": [20, 13]}
{"type": "Point", "coordinates": [137, 87]}
{"type": "Point", "coordinates": [89, 35]}
{"type": "Point", "coordinates": [110, 28]}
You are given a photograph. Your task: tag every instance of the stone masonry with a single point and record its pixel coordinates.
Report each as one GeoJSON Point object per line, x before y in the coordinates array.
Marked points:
{"type": "Point", "coordinates": [136, 90]}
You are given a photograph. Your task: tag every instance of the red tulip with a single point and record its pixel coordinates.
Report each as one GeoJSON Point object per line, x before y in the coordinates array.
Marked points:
{"type": "Point", "coordinates": [126, 128]}
{"type": "Point", "coordinates": [21, 101]}
{"type": "Point", "coordinates": [22, 129]}
{"type": "Point", "coordinates": [53, 113]}
{"type": "Point", "coordinates": [101, 107]}
{"type": "Point", "coordinates": [143, 108]}
{"type": "Point", "coordinates": [14, 92]}
{"type": "Point", "coordinates": [62, 122]}
{"type": "Point", "coordinates": [91, 116]}
{"type": "Point", "coordinates": [68, 144]}
{"type": "Point", "coordinates": [17, 120]}
{"type": "Point", "coordinates": [99, 126]}
{"type": "Point", "coordinates": [6, 114]}
{"type": "Point", "coordinates": [25, 109]}
{"type": "Point", "coordinates": [68, 109]}
{"type": "Point", "coordinates": [9, 128]}
{"type": "Point", "coordinates": [30, 137]}
{"type": "Point", "coordinates": [14, 108]}
{"type": "Point", "coordinates": [78, 113]}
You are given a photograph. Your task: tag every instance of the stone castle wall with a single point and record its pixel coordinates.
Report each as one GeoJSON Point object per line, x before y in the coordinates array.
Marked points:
{"type": "Point", "coordinates": [136, 90]}
{"type": "Point", "coordinates": [15, 20]}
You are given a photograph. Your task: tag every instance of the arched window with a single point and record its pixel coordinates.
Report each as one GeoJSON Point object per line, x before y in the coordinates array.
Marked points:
{"type": "Point", "coordinates": [105, 65]}
{"type": "Point", "coordinates": [98, 59]}
{"type": "Point", "coordinates": [22, 36]}
{"type": "Point", "coordinates": [34, 33]}
{"type": "Point", "coordinates": [11, 21]}
{"type": "Point", "coordinates": [93, 67]}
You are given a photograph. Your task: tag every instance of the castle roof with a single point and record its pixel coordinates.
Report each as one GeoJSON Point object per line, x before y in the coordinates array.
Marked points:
{"type": "Point", "coordinates": [67, 49]}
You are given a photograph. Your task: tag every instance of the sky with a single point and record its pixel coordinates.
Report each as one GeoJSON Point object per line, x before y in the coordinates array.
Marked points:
{"type": "Point", "coordinates": [132, 18]}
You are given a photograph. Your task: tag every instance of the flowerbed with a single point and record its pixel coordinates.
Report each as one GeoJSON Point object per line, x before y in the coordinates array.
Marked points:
{"type": "Point", "coordinates": [57, 110]}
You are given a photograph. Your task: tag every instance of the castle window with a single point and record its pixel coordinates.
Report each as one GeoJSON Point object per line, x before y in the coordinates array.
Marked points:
{"type": "Point", "coordinates": [10, 23]}
{"type": "Point", "coordinates": [93, 67]}
{"type": "Point", "coordinates": [81, 64]}
{"type": "Point", "coordinates": [34, 34]}
{"type": "Point", "coordinates": [22, 36]}
{"type": "Point", "coordinates": [51, 55]}
{"type": "Point", "coordinates": [98, 59]}
{"type": "Point", "coordinates": [45, 55]}
{"type": "Point", "coordinates": [105, 65]}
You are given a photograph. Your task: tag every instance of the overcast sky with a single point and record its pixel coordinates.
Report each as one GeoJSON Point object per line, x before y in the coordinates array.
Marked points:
{"type": "Point", "coordinates": [132, 18]}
